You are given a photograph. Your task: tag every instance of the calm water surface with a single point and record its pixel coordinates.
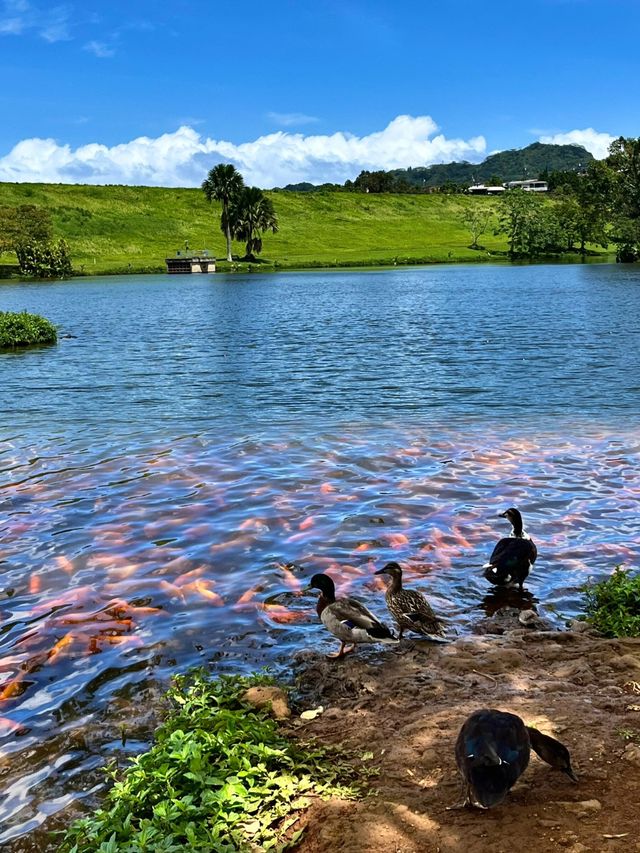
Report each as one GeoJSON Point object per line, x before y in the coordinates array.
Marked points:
{"type": "Point", "coordinates": [171, 476]}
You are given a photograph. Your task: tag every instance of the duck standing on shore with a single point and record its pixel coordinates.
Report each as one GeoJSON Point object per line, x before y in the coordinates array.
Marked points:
{"type": "Point", "coordinates": [410, 609]}
{"type": "Point", "coordinates": [347, 619]}
{"type": "Point", "coordinates": [492, 752]}
{"type": "Point", "coordinates": [513, 556]}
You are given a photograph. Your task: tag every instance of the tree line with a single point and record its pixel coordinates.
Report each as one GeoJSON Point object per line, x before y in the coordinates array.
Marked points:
{"type": "Point", "coordinates": [600, 206]}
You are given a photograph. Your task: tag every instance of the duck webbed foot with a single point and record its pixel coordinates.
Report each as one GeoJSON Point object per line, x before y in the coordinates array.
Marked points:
{"type": "Point", "coordinates": [465, 804]}
{"type": "Point", "coordinates": [344, 650]}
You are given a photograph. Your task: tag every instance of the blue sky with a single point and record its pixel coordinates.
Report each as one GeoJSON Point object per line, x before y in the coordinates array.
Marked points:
{"type": "Point", "coordinates": [302, 90]}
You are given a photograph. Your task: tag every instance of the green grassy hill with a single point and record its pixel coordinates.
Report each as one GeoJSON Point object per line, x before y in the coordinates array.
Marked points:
{"type": "Point", "coordinates": [120, 229]}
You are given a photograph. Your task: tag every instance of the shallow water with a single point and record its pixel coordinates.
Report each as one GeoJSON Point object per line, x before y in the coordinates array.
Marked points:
{"type": "Point", "coordinates": [171, 477]}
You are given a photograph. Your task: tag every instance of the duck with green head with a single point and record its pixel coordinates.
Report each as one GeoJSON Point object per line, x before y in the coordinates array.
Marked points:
{"type": "Point", "coordinates": [347, 619]}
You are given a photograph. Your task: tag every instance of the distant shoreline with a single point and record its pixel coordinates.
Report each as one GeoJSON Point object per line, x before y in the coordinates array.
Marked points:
{"type": "Point", "coordinates": [121, 230]}
{"type": "Point", "coordinates": [246, 267]}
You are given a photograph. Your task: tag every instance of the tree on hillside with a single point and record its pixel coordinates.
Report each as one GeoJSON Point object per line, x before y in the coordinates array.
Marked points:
{"type": "Point", "coordinates": [26, 223]}
{"type": "Point", "coordinates": [476, 218]}
{"type": "Point", "coordinates": [624, 160]}
{"type": "Point", "coordinates": [223, 183]}
{"type": "Point", "coordinates": [251, 213]}
{"type": "Point", "coordinates": [531, 229]}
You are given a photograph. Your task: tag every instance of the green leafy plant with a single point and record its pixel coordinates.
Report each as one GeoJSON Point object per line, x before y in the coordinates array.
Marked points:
{"type": "Point", "coordinates": [23, 329]}
{"type": "Point", "coordinates": [629, 735]}
{"type": "Point", "coordinates": [221, 776]}
{"type": "Point", "coordinates": [613, 605]}
{"type": "Point", "coordinates": [44, 260]}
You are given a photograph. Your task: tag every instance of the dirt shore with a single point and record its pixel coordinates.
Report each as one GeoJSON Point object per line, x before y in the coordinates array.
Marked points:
{"type": "Point", "coordinates": [406, 707]}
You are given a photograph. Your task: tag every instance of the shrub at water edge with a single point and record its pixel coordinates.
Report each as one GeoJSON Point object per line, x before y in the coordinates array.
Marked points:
{"type": "Point", "coordinates": [23, 330]}
{"type": "Point", "coordinates": [221, 776]}
{"type": "Point", "coordinates": [613, 605]}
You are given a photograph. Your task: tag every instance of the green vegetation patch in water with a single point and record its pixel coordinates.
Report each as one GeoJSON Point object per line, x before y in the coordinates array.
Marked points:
{"type": "Point", "coordinates": [221, 776]}
{"type": "Point", "coordinates": [613, 605]}
{"type": "Point", "coordinates": [23, 330]}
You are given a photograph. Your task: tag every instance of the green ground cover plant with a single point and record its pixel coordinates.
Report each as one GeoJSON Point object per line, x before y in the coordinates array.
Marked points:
{"type": "Point", "coordinates": [613, 605]}
{"type": "Point", "coordinates": [20, 329]}
{"type": "Point", "coordinates": [221, 776]}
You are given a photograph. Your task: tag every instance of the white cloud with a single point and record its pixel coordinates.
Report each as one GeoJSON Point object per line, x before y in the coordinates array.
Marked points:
{"type": "Point", "coordinates": [594, 141]}
{"type": "Point", "coordinates": [99, 49]}
{"type": "Point", "coordinates": [14, 17]}
{"type": "Point", "coordinates": [291, 119]}
{"type": "Point", "coordinates": [183, 158]}
{"type": "Point", "coordinates": [20, 16]}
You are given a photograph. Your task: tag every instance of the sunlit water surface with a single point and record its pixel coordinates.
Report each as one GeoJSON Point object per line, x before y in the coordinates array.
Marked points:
{"type": "Point", "coordinates": [172, 475]}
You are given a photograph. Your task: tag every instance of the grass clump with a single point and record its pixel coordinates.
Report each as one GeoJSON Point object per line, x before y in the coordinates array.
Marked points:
{"type": "Point", "coordinates": [221, 776]}
{"type": "Point", "coordinates": [629, 735]}
{"type": "Point", "coordinates": [613, 605]}
{"type": "Point", "coordinates": [23, 330]}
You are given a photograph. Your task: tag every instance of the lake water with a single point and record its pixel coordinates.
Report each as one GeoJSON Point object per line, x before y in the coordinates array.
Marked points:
{"type": "Point", "coordinates": [172, 475]}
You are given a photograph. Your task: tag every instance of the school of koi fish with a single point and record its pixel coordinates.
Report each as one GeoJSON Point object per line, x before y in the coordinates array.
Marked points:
{"type": "Point", "coordinates": [118, 570]}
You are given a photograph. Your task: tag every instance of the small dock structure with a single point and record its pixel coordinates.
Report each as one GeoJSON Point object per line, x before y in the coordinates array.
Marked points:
{"type": "Point", "coordinates": [190, 262]}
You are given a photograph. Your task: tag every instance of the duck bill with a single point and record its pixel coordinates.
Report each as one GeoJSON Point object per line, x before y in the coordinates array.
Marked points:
{"type": "Point", "coordinates": [382, 571]}
{"type": "Point", "coordinates": [571, 774]}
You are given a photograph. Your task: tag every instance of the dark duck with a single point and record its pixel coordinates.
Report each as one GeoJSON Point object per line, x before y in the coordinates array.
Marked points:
{"type": "Point", "coordinates": [347, 619]}
{"type": "Point", "coordinates": [410, 609]}
{"type": "Point", "coordinates": [513, 556]}
{"type": "Point", "coordinates": [492, 752]}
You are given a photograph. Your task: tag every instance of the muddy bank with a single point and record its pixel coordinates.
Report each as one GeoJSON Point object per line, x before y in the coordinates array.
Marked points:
{"type": "Point", "coordinates": [406, 708]}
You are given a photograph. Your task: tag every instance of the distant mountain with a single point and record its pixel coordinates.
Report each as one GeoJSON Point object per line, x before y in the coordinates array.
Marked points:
{"type": "Point", "coordinates": [517, 164]}
{"type": "Point", "coordinates": [513, 165]}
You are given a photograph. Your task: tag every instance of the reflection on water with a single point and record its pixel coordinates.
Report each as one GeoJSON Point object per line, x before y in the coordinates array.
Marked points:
{"type": "Point", "coordinates": [166, 495]}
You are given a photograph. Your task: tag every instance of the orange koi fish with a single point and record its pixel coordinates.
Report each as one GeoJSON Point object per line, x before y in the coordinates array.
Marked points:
{"type": "Point", "coordinates": [257, 524]}
{"type": "Point", "coordinates": [396, 540]}
{"type": "Point", "coordinates": [191, 575]}
{"type": "Point", "coordinates": [198, 531]}
{"type": "Point", "coordinates": [11, 688]}
{"type": "Point", "coordinates": [461, 539]}
{"type": "Point", "coordinates": [246, 597]}
{"type": "Point", "coordinates": [231, 543]}
{"type": "Point", "coordinates": [76, 596]}
{"type": "Point", "coordinates": [201, 587]}
{"type": "Point", "coordinates": [65, 564]}
{"type": "Point", "coordinates": [303, 536]}
{"type": "Point", "coordinates": [282, 615]}
{"type": "Point", "coordinates": [171, 589]}
{"type": "Point", "coordinates": [290, 579]}
{"type": "Point", "coordinates": [9, 727]}
{"type": "Point", "coordinates": [55, 650]}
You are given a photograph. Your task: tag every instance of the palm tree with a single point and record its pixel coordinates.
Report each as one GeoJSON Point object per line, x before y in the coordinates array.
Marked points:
{"type": "Point", "coordinates": [223, 183]}
{"type": "Point", "coordinates": [250, 214]}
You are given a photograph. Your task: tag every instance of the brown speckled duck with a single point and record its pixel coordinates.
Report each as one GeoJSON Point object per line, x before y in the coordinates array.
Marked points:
{"type": "Point", "coordinates": [409, 608]}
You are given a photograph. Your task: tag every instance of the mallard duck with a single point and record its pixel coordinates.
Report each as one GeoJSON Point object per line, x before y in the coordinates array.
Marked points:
{"type": "Point", "coordinates": [513, 556]}
{"type": "Point", "coordinates": [347, 618]}
{"type": "Point", "coordinates": [492, 752]}
{"type": "Point", "coordinates": [409, 608]}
